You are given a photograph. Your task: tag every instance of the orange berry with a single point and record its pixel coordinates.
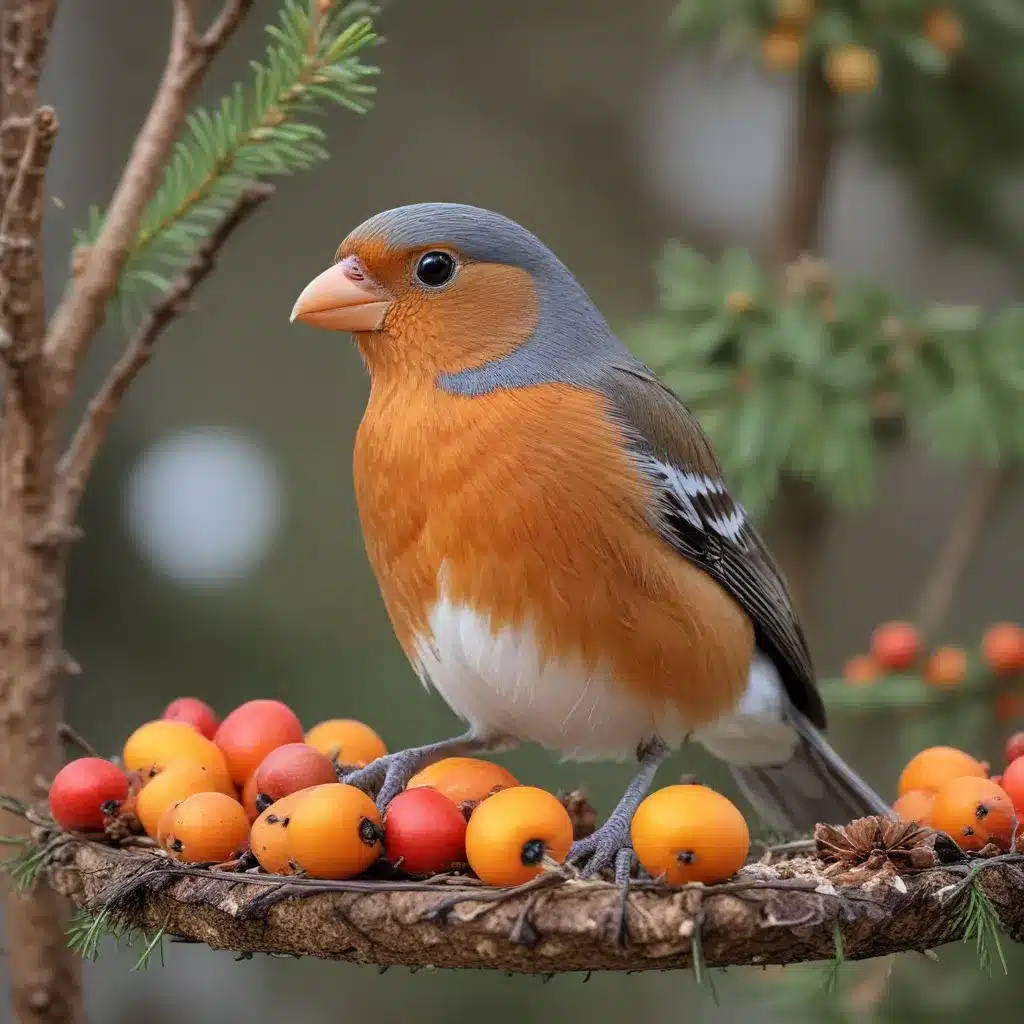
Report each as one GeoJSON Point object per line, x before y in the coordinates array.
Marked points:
{"type": "Point", "coordinates": [249, 794]}
{"type": "Point", "coordinates": [915, 805]}
{"type": "Point", "coordinates": [156, 744]}
{"type": "Point", "coordinates": [944, 29]}
{"type": "Point", "coordinates": [931, 769]}
{"type": "Point", "coordinates": [975, 812]}
{"type": "Point", "coordinates": [204, 828]}
{"type": "Point", "coordinates": [690, 833]}
{"type": "Point", "coordinates": [946, 667]}
{"type": "Point", "coordinates": [510, 833]}
{"type": "Point", "coordinates": [180, 779]}
{"type": "Point", "coordinates": [852, 69]}
{"type": "Point", "coordinates": [861, 670]}
{"type": "Point", "coordinates": [781, 50]}
{"type": "Point", "coordinates": [335, 832]}
{"type": "Point", "coordinates": [252, 731]}
{"type": "Point", "coordinates": [268, 838]}
{"type": "Point", "coordinates": [896, 645]}
{"type": "Point", "coordinates": [346, 741]}
{"type": "Point", "coordinates": [464, 778]}
{"type": "Point", "coordinates": [1002, 647]}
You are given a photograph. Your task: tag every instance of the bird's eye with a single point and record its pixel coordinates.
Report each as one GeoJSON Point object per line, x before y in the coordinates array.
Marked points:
{"type": "Point", "coordinates": [435, 269]}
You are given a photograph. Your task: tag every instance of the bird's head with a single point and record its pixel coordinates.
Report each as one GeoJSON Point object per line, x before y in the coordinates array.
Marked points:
{"type": "Point", "coordinates": [454, 293]}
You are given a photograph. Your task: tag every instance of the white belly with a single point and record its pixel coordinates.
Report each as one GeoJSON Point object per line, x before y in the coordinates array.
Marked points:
{"type": "Point", "coordinates": [498, 683]}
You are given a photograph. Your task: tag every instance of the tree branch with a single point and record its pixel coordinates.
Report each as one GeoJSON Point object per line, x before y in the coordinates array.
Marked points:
{"type": "Point", "coordinates": [74, 466]}
{"type": "Point", "coordinates": [801, 517]}
{"type": "Point", "coordinates": [767, 915]}
{"type": "Point", "coordinates": [22, 311]}
{"type": "Point", "coordinates": [954, 557]}
{"type": "Point", "coordinates": [24, 35]}
{"type": "Point", "coordinates": [83, 307]}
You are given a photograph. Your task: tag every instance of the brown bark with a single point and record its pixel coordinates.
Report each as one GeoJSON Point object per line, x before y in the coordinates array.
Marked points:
{"type": "Point", "coordinates": [770, 914]}
{"type": "Point", "coordinates": [801, 515]}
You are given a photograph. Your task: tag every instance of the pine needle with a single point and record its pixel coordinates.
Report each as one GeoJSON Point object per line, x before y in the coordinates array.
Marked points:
{"type": "Point", "coordinates": [700, 969]}
{"type": "Point", "coordinates": [86, 930]}
{"type": "Point", "coordinates": [156, 942]}
{"type": "Point", "coordinates": [25, 866]}
{"type": "Point", "coordinates": [981, 924]}
{"type": "Point", "coordinates": [831, 979]}
{"type": "Point", "coordinates": [256, 131]}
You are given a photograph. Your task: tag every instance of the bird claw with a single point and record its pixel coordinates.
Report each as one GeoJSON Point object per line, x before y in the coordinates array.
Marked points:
{"type": "Point", "coordinates": [386, 777]}
{"type": "Point", "coordinates": [609, 847]}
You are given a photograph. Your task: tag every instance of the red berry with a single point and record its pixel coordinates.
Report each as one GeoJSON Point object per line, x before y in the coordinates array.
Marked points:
{"type": "Point", "coordinates": [424, 832]}
{"type": "Point", "coordinates": [288, 769]}
{"type": "Point", "coordinates": [1013, 783]}
{"type": "Point", "coordinates": [1015, 747]}
{"type": "Point", "coordinates": [195, 712]}
{"type": "Point", "coordinates": [896, 645]}
{"type": "Point", "coordinates": [1002, 647]}
{"type": "Point", "coordinates": [252, 731]}
{"type": "Point", "coordinates": [80, 790]}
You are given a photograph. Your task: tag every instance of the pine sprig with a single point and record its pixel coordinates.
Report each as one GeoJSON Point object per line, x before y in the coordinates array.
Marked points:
{"type": "Point", "coordinates": [981, 925]}
{"type": "Point", "coordinates": [255, 132]}
{"type": "Point", "coordinates": [155, 943]}
{"type": "Point", "coordinates": [87, 929]}
{"type": "Point", "coordinates": [832, 970]}
{"type": "Point", "coordinates": [24, 867]}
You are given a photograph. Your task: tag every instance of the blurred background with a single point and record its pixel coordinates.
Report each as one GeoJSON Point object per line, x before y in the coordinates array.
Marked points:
{"type": "Point", "coordinates": [222, 555]}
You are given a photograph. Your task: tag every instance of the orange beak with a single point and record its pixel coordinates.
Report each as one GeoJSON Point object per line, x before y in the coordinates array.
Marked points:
{"type": "Point", "coordinates": [342, 298]}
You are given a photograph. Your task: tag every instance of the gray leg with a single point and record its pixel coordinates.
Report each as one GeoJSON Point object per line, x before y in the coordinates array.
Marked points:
{"type": "Point", "coordinates": [610, 845]}
{"type": "Point", "coordinates": [388, 775]}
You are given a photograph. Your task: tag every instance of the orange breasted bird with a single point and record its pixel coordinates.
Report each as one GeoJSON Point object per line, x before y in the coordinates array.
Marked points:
{"type": "Point", "coordinates": [555, 545]}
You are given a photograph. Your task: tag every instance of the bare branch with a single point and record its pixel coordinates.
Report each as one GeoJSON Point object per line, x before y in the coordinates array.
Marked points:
{"type": "Point", "coordinates": [954, 557]}
{"type": "Point", "coordinates": [83, 307]}
{"type": "Point", "coordinates": [222, 27]}
{"type": "Point", "coordinates": [21, 257]}
{"type": "Point", "coordinates": [74, 466]}
{"type": "Point", "coordinates": [25, 32]}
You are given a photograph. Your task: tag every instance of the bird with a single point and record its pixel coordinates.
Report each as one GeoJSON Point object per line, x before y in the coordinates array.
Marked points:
{"type": "Point", "coordinates": [552, 535]}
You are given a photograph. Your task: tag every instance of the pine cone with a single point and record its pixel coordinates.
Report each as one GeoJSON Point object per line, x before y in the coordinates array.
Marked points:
{"type": "Point", "coordinates": [875, 845]}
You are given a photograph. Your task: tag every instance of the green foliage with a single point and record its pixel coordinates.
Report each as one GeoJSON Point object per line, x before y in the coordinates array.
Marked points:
{"type": "Point", "coordinates": [798, 380]}
{"type": "Point", "coordinates": [86, 930]}
{"type": "Point", "coordinates": [980, 923]}
{"type": "Point", "coordinates": [25, 866]}
{"type": "Point", "coordinates": [831, 979]}
{"type": "Point", "coordinates": [257, 131]}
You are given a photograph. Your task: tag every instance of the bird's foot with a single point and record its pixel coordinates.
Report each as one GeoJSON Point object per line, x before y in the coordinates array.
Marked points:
{"type": "Point", "coordinates": [386, 777]}
{"type": "Point", "coordinates": [609, 847]}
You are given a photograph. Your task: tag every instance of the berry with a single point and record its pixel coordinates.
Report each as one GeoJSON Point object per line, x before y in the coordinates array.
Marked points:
{"type": "Point", "coordinates": [896, 645]}
{"type": "Point", "coordinates": [512, 832]}
{"type": "Point", "coordinates": [424, 832]}
{"type": "Point", "coordinates": [252, 731]}
{"type": "Point", "coordinates": [690, 833]}
{"type": "Point", "coordinates": [195, 712]}
{"type": "Point", "coordinates": [81, 788]}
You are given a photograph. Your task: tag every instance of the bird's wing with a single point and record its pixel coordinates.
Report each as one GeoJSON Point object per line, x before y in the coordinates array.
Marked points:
{"type": "Point", "coordinates": [700, 519]}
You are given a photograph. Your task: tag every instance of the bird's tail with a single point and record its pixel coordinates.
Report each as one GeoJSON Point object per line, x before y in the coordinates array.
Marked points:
{"type": "Point", "coordinates": [814, 786]}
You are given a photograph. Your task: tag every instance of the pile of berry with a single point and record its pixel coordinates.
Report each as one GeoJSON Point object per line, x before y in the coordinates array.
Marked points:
{"type": "Point", "coordinates": [256, 788]}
